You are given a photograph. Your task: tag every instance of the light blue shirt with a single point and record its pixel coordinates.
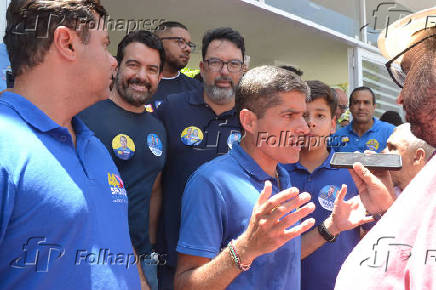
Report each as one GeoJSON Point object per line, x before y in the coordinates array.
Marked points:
{"type": "Point", "coordinates": [375, 139]}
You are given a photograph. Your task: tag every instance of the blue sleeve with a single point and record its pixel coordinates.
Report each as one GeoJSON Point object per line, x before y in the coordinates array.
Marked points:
{"type": "Point", "coordinates": [6, 201]}
{"type": "Point", "coordinates": [203, 218]}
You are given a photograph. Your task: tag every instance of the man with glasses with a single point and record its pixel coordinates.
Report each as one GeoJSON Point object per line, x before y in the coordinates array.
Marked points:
{"type": "Point", "coordinates": [342, 107]}
{"type": "Point", "coordinates": [400, 251]}
{"type": "Point", "coordinates": [178, 47]}
{"type": "Point", "coordinates": [365, 132]}
{"type": "Point", "coordinates": [209, 112]}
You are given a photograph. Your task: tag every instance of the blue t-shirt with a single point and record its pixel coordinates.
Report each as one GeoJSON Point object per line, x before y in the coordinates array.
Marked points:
{"type": "Point", "coordinates": [195, 135]}
{"type": "Point", "coordinates": [216, 208]}
{"type": "Point", "coordinates": [63, 210]}
{"type": "Point", "coordinates": [375, 139]}
{"type": "Point", "coordinates": [139, 160]}
{"type": "Point", "coordinates": [169, 86]}
{"type": "Point", "coordinates": [319, 270]}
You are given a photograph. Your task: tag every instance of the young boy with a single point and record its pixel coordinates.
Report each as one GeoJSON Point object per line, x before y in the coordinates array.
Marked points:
{"type": "Point", "coordinates": [313, 174]}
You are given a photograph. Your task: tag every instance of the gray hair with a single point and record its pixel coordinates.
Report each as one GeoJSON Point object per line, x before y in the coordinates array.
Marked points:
{"type": "Point", "coordinates": [414, 143]}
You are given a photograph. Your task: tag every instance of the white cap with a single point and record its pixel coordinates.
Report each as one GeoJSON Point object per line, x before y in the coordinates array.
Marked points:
{"type": "Point", "coordinates": [398, 36]}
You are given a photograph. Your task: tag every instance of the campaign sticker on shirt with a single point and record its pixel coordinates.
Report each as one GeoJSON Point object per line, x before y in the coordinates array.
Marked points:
{"type": "Point", "coordinates": [123, 146]}
{"type": "Point", "coordinates": [372, 144]}
{"type": "Point", "coordinates": [233, 137]}
{"type": "Point", "coordinates": [116, 184]}
{"type": "Point", "coordinates": [327, 196]}
{"type": "Point", "coordinates": [149, 108]}
{"type": "Point", "coordinates": [155, 144]}
{"type": "Point", "coordinates": [157, 104]}
{"type": "Point", "coordinates": [192, 136]}
{"type": "Point", "coordinates": [345, 139]}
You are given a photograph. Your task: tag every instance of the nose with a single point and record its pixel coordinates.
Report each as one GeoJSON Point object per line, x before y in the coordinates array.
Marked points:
{"type": "Point", "coordinates": [142, 74]}
{"type": "Point", "coordinates": [302, 126]}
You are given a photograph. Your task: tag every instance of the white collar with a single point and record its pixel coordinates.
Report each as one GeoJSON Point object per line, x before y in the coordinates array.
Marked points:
{"type": "Point", "coordinates": [171, 78]}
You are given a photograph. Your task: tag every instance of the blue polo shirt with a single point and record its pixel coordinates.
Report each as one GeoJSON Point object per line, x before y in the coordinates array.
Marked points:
{"type": "Point", "coordinates": [375, 139]}
{"type": "Point", "coordinates": [169, 86]}
{"type": "Point", "coordinates": [63, 210]}
{"type": "Point", "coordinates": [195, 135]}
{"type": "Point", "coordinates": [216, 208]}
{"type": "Point", "coordinates": [319, 270]}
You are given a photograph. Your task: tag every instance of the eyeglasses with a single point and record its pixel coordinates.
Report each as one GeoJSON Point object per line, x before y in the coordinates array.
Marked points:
{"type": "Point", "coordinates": [395, 70]}
{"type": "Point", "coordinates": [182, 42]}
{"type": "Point", "coordinates": [216, 65]}
{"type": "Point", "coordinates": [343, 107]}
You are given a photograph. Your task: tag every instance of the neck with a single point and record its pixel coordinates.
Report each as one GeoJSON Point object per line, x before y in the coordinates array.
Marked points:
{"type": "Point", "coordinates": [169, 71]}
{"type": "Point", "coordinates": [218, 109]}
{"type": "Point", "coordinates": [311, 160]}
{"type": "Point", "coordinates": [265, 162]}
{"type": "Point", "coordinates": [120, 102]}
{"type": "Point", "coordinates": [362, 128]}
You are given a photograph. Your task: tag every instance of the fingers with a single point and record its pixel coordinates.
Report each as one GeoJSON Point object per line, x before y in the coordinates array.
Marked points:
{"type": "Point", "coordinates": [276, 200]}
{"type": "Point", "coordinates": [299, 229]}
{"type": "Point", "coordinates": [266, 193]}
{"type": "Point", "coordinates": [293, 217]}
{"type": "Point", "coordinates": [289, 206]}
{"type": "Point", "coordinates": [364, 174]}
{"type": "Point", "coordinates": [341, 194]}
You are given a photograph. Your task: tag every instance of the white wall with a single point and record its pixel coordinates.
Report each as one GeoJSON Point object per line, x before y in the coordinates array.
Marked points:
{"type": "Point", "coordinates": [3, 7]}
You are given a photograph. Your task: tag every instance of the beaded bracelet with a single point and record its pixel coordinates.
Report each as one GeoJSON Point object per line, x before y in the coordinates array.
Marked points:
{"type": "Point", "coordinates": [235, 257]}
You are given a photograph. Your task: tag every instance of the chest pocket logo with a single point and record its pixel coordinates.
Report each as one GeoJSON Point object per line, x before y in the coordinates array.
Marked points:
{"type": "Point", "coordinates": [123, 146]}
{"type": "Point", "coordinates": [372, 144]}
{"type": "Point", "coordinates": [327, 196]}
{"type": "Point", "coordinates": [192, 136]}
{"type": "Point", "coordinates": [155, 144]}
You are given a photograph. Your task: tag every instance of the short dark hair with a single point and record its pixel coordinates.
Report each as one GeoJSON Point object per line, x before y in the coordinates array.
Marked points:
{"type": "Point", "coordinates": [392, 117]}
{"type": "Point", "coordinates": [258, 89]}
{"type": "Point", "coordinates": [145, 37]}
{"type": "Point", "coordinates": [28, 47]}
{"type": "Point", "coordinates": [168, 25]}
{"type": "Point", "coordinates": [362, 88]}
{"type": "Point", "coordinates": [319, 90]}
{"type": "Point", "coordinates": [224, 33]}
{"type": "Point", "coordinates": [293, 69]}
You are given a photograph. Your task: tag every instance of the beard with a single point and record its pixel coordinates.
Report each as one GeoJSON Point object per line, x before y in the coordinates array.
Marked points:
{"type": "Point", "coordinates": [220, 96]}
{"type": "Point", "coordinates": [176, 64]}
{"type": "Point", "coordinates": [131, 96]}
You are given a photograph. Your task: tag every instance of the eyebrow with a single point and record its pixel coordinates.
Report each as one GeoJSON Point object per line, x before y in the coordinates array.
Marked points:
{"type": "Point", "coordinates": [292, 111]}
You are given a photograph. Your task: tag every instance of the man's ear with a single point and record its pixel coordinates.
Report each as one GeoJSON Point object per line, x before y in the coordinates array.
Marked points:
{"type": "Point", "coordinates": [248, 121]}
{"type": "Point", "coordinates": [419, 157]}
{"type": "Point", "coordinates": [65, 41]}
{"type": "Point", "coordinates": [333, 125]}
{"type": "Point", "coordinates": [201, 65]}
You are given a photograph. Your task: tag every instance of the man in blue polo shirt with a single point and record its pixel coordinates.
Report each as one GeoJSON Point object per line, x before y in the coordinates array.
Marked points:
{"type": "Point", "coordinates": [201, 125]}
{"type": "Point", "coordinates": [63, 217]}
{"type": "Point", "coordinates": [323, 249]}
{"type": "Point", "coordinates": [233, 235]}
{"type": "Point", "coordinates": [365, 132]}
{"type": "Point", "coordinates": [178, 47]}
{"type": "Point", "coordinates": [135, 139]}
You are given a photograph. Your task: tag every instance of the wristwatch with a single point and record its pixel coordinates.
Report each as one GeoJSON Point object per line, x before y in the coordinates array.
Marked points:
{"type": "Point", "coordinates": [325, 233]}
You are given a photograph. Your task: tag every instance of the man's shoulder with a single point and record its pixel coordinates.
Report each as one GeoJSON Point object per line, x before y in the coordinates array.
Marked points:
{"type": "Point", "coordinates": [343, 131]}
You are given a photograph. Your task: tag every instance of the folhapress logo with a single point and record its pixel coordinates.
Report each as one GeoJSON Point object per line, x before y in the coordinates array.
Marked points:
{"type": "Point", "coordinates": [38, 254]}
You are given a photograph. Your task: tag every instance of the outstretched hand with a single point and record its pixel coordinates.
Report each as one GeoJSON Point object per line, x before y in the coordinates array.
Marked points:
{"type": "Point", "coordinates": [271, 221]}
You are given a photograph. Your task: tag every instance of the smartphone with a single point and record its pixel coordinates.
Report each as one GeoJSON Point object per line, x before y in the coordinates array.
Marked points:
{"type": "Point", "coordinates": [370, 161]}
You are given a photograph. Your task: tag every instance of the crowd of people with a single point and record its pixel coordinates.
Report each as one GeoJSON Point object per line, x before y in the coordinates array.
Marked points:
{"type": "Point", "coordinates": [123, 173]}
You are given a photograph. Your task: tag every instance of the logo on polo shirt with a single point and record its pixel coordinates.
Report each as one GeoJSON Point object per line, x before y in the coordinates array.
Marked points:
{"type": "Point", "coordinates": [149, 108]}
{"type": "Point", "coordinates": [233, 137]}
{"type": "Point", "coordinates": [192, 136]}
{"type": "Point", "coordinates": [123, 146]}
{"type": "Point", "coordinates": [154, 144]}
{"type": "Point", "coordinates": [118, 190]}
{"type": "Point", "coordinates": [372, 144]}
{"type": "Point", "coordinates": [345, 139]}
{"type": "Point", "coordinates": [327, 196]}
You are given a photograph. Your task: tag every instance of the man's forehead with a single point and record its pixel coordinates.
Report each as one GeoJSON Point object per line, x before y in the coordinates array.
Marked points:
{"type": "Point", "coordinates": [175, 32]}
{"type": "Point", "coordinates": [223, 48]}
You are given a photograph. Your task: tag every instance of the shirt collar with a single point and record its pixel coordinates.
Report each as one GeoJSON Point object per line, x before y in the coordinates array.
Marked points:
{"type": "Point", "coordinates": [252, 168]}
{"type": "Point", "coordinates": [29, 112]}
{"type": "Point", "coordinates": [172, 78]}
{"type": "Point", "coordinates": [36, 118]}
{"type": "Point", "coordinates": [325, 164]}
{"type": "Point", "coordinates": [196, 98]}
